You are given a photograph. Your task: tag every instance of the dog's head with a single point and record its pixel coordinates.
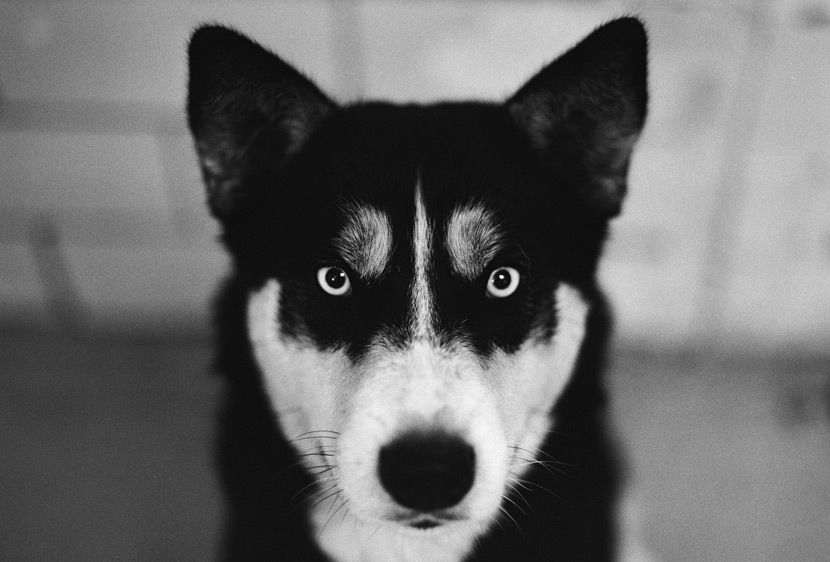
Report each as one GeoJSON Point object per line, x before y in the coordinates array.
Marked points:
{"type": "Point", "coordinates": [421, 275]}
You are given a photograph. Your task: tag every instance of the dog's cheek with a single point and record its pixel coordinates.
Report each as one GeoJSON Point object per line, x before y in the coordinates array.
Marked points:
{"type": "Point", "coordinates": [301, 382]}
{"type": "Point", "coordinates": [533, 378]}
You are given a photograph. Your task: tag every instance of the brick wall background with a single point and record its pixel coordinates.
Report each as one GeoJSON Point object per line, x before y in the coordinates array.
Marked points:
{"type": "Point", "coordinates": [725, 239]}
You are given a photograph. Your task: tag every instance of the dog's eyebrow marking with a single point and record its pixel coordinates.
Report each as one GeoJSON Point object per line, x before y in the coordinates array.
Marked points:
{"type": "Point", "coordinates": [421, 293]}
{"type": "Point", "coordinates": [473, 239]}
{"type": "Point", "coordinates": [365, 241]}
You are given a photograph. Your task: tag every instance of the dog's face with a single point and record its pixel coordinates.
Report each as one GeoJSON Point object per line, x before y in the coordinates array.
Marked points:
{"type": "Point", "coordinates": [421, 275]}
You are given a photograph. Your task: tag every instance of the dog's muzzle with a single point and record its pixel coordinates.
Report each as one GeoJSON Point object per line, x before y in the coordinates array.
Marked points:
{"type": "Point", "coordinates": [427, 471]}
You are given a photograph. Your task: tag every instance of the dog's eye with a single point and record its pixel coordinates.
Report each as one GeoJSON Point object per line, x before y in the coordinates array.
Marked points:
{"type": "Point", "coordinates": [503, 282]}
{"type": "Point", "coordinates": [334, 281]}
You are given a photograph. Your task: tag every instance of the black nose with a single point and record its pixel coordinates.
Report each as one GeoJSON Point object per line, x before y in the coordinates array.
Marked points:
{"type": "Point", "coordinates": [427, 471]}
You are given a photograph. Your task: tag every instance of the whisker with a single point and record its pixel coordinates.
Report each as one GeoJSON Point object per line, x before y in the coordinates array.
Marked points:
{"type": "Point", "coordinates": [519, 494]}
{"type": "Point", "coordinates": [315, 432]}
{"type": "Point", "coordinates": [508, 498]}
{"type": "Point", "coordinates": [529, 486]}
{"type": "Point", "coordinates": [327, 496]}
{"type": "Point", "coordinates": [345, 511]}
{"type": "Point", "coordinates": [516, 480]}
{"type": "Point", "coordinates": [325, 468]}
{"type": "Point", "coordinates": [540, 453]}
{"type": "Point", "coordinates": [377, 528]}
{"type": "Point", "coordinates": [316, 453]}
{"type": "Point", "coordinates": [312, 484]}
{"type": "Point", "coordinates": [507, 514]}
{"type": "Point", "coordinates": [323, 527]}
{"type": "Point", "coordinates": [554, 467]}
{"type": "Point", "coordinates": [306, 437]}
{"type": "Point", "coordinates": [499, 522]}
{"type": "Point", "coordinates": [555, 470]}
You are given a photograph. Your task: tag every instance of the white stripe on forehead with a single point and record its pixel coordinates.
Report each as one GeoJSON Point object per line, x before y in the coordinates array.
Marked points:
{"type": "Point", "coordinates": [422, 305]}
{"type": "Point", "coordinates": [365, 242]}
{"type": "Point", "coordinates": [473, 240]}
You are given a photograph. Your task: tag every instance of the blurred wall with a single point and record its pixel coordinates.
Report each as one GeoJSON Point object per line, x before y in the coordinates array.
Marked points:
{"type": "Point", "coordinates": [725, 237]}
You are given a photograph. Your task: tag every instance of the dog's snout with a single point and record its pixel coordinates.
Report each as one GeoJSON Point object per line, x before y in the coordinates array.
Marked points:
{"type": "Point", "coordinates": [427, 471]}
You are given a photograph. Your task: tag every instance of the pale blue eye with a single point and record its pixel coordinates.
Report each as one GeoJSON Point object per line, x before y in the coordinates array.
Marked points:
{"type": "Point", "coordinates": [503, 282]}
{"type": "Point", "coordinates": [334, 280]}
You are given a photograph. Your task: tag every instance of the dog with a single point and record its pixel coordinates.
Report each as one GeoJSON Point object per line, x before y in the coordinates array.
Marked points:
{"type": "Point", "coordinates": [413, 337]}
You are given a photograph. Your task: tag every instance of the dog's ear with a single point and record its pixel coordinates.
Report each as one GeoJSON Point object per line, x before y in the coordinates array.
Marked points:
{"type": "Point", "coordinates": [247, 109]}
{"type": "Point", "coordinates": [588, 107]}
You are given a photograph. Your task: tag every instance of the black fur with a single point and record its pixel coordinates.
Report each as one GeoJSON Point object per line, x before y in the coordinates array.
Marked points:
{"type": "Point", "coordinates": [280, 159]}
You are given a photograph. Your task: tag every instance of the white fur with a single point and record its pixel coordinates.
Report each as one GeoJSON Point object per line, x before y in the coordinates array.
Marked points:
{"type": "Point", "coordinates": [423, 387]}
{"type": "Point", "coordinates": [301, 382]}
{"type": "Point", "coordinates": [365, 242]}
{"type": "Point", "coordinates": [473, 240]}
{"type": "Point", "coordinates": [421, 293]}
{"type": "Point", "coordinates": [493, 405]}
{"type": "Point", "coordinates": [346, 538]}
{"type": "Point", "coordinates": [536, 375]}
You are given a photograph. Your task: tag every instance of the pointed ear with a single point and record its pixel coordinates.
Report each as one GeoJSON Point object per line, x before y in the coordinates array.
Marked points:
{"type": "Point", "coordinates": [588, 107]}
{"type": "Point", "coordinates": [248, 111]}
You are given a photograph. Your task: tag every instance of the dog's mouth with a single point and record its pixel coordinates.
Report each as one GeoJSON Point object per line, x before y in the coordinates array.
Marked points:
{"type": "Point", "coordinates": [425, 523]}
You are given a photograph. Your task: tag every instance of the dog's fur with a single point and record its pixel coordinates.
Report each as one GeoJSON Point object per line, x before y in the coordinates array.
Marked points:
{"type": "Point", "coordinates": [435, 410]}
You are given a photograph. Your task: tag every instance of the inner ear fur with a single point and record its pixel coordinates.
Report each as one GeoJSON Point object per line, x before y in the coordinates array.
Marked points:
{"type": "Point", "coordinates": [585, 110]}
